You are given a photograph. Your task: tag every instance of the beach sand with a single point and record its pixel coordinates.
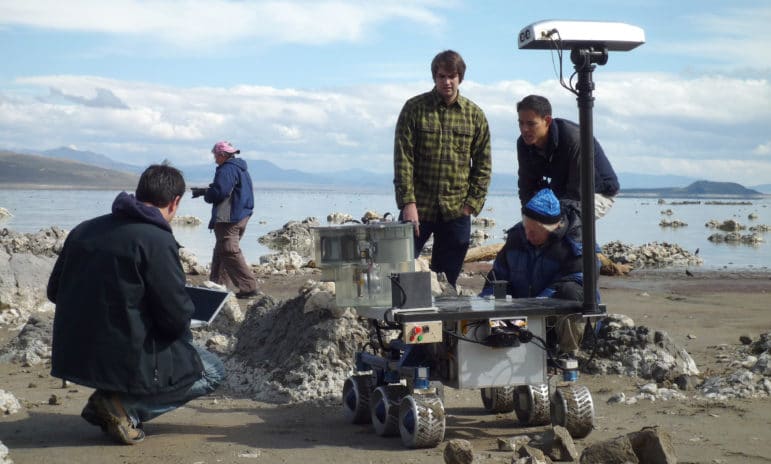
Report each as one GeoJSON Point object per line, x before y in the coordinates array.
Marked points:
{"type": "Point", "coordinates": [699, 312]}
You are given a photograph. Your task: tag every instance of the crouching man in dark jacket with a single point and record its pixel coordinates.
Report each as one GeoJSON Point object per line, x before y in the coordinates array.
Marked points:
{"type": "Point", "coordinates": [122, 321]}
{"type": "Point", "coordinates": [542, 257]}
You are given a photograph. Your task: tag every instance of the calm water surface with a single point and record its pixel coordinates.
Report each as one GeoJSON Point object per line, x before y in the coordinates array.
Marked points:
{"type": "Point", "coordinates": [633, 221]}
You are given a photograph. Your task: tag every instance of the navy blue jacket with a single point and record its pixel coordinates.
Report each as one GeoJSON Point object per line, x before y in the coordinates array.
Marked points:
{"type": "Point", "coordinates": [231, 193]}
{"type": "Point", "coordinates": [536, 271]}
{"type": "Point", "coordinates": [558, 166]}
{"type": "Point", "coordinates": [122, 320]}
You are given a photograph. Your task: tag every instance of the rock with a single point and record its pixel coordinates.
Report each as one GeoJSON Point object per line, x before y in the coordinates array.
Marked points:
{"type": "Point", "coordinates": [4, 458]}
{"type": "Point", "coordinates": [745, 340]}
{"type": "Point", "coordinates": [615, 451]}
{"type": "Point", "coordinates": [478, 237]}
{"type": "Point", "coordinates": [622, 348]}
{"type": "Point", "coordinates": [190, 263]}
{"type": "Point", "coordinates": [652, 445]}
{"type": "Point", "coordinates": [654, 255]}
{"type": "Point", "coordinates": [371, 216]}
{"type": "Point", "coordinates": [189, 221]}
{"type": "Point", "coordinates": [458, 451]}
{"type": "Point", "coordinates": [32, 346]}
{"type": "Point", "coordinates": [339, 218]}
{"type": "Point", "coordinates": [483, 222]}
{"type": "Point", "coordinates": [293, 236]}
{"type": "Point", "coordinates": [564, 448]}
{"type": "Point", "coordinates": [530, 454]}
{"type": "Point", "coordinates": [685, 382]}
{"type": "Point", "coordinates": [510, 444]}
{"type": "Point", "coordinates": [285, 354]}
{"type": "Point", "coordinates": [284, 261]}
{"type": "Point", "coordinates": [8, 403]}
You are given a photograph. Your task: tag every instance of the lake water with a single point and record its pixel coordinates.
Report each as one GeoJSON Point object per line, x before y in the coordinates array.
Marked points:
{"type": "Point", "coordinates": [633, 221]}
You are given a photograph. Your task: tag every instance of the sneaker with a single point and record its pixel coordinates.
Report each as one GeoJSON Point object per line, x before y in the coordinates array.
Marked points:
{"type": "Point", "coordinates": [245, 295]}
{"type": "Point", "coordinates": [118, 424]}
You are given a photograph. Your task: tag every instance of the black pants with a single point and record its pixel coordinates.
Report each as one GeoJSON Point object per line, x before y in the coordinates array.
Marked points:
{"type": "Point", "coordinates": [451, 242]}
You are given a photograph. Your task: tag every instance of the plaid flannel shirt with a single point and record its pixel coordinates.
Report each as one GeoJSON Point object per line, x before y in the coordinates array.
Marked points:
{"type": "Point", "coordinates": [442, 157]}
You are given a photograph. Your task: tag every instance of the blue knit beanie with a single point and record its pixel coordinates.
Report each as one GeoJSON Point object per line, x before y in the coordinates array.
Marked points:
{"type": "Point", "coordinates": [544, 207]}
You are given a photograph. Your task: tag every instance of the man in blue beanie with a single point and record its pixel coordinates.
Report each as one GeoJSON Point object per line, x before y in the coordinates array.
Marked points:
{"type": "Point", "coordinates": [542, 256]}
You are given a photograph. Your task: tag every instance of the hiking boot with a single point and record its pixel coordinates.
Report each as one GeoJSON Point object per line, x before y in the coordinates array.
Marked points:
{"type": "Point", "coordinates": [118, 424]}
{"type": "Point", "coordinates": [245, 295]}
{"type": "Point", "coordinates": [91, 415]}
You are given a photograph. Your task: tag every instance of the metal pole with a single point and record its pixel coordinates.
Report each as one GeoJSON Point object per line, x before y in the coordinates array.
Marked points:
{"type": "Point", "coordinates": [583, 59]}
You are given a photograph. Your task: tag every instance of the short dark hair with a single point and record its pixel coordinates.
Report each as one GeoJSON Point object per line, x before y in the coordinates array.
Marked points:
{"type": "Point", "coordinates": [450, 60]}
{"type": "Point", "coordinates": [160, 184]}
{"type": "Point", "coordinates": [536, 103]}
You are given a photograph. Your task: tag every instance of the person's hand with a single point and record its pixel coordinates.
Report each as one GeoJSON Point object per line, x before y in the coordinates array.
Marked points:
{"type": "Point", "coordinates": [410, 214]}
{"type": "Point", "coordinates": [198, 191]}
{"type": "Point", "coordinates": [468, 210]}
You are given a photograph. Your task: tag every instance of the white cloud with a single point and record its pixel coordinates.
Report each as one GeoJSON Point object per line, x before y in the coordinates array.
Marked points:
{"type": "Point", "coordinates": [763, 149]}
{"type": "Point", "coordinates": [737, 35]}
{"type": "Point", "coordinates": [710, 127]}
{"type": "Point", "coordinates": [202, 23]}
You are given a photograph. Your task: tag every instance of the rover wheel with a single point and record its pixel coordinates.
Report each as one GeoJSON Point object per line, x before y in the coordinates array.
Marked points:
{"type": "Point", "coordinates": [531, 404]}
{"type": "Point", "coordinates": [384, 409]}
{"type": "Point", "coordinates": [572, 408]}
{"type": "Point", "coordinates": [498, 399]}
{"type": "Point", "coordinates": [356, 392]}
{"type": "Point", "coordinates": [421, 421]}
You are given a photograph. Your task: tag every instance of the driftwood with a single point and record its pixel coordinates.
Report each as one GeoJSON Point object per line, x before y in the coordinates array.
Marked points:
{"type": "Point", "coordinates": [482, 253]}
{"type": "Point", "coordinates": [488, 253]}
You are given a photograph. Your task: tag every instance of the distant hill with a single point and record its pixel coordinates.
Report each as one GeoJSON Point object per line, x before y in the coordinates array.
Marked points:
{"type": "Point", "coordinates": [32, 171]}
{"type": "Point", "coordinates": [266, 173]}
{"type": "Point", "coordinates": [89, 157]}
{"type": "Point", "coordinates": [701, 188]}
{"type": "Point", "coordinates": [765, 188]}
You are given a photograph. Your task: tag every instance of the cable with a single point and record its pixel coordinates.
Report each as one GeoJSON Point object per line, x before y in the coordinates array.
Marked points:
{"type": "Point", "coordinates": [395, 281]}
{"type": "Point", "coordinates": [557, 44]}
{"type": "Point", "coordinates": [454, 335]}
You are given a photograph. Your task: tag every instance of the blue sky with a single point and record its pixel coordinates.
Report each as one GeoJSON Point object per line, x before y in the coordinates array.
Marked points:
{"type": "Point", "coordinates": [318, 85]}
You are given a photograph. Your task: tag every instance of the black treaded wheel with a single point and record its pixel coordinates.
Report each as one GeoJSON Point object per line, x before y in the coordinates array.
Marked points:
{"type": "Point", "coordinates": [421, 420]}
{"type": "Point", "coordinates": [498, 399]}
{"type": "Point", "coordinates": [531, 404]}
{"type": "Point", "coordinates": [573, 408]}
{"type": "Point", "coordinates": [384, 409]}
{"type": "Point", "coordinates": [356, 392]}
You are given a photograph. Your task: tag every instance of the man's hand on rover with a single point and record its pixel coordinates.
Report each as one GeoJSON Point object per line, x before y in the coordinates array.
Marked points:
{"type": "Point", "coordinates": [198, 191]}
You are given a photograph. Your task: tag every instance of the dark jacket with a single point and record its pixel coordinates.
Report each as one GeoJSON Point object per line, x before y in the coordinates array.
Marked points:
{"type": "Point", "coordinates": [231, 192]}
{"type": "Point", "coordinates": [122, 320]}
{"type": "Point", "coordinates": [558, 166]}
{"type": "Point", "coordinates": [537, 271]}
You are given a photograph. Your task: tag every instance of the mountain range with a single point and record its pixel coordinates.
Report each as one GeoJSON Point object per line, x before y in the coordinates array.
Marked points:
{"type": "Point", "coordinates": [266, 173]}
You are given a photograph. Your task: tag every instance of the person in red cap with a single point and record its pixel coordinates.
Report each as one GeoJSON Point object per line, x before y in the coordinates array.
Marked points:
{"type": "Point", "coordinates": [232, 200]}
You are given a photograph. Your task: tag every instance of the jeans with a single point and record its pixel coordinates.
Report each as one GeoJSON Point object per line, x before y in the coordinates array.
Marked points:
{"type": "Point", "coordinates": [142, 408]}
{"type": "Point", "coordinates": [451, 242]}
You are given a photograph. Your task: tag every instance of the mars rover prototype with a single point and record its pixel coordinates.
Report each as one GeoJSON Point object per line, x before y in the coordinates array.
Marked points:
{"type": "Point", "coordinates": [497, 345]}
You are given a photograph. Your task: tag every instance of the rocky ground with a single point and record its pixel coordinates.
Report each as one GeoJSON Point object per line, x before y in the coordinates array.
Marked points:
{"type": "Point", "coordinates": [689, 356]}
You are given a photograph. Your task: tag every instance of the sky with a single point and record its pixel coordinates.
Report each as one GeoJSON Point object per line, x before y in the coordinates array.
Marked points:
{"type": "Point", "coordinates": [318, 85]}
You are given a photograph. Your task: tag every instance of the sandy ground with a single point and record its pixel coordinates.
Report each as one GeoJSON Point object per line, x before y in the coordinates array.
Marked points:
{"type": "Point", "coordinates": [699, 313]}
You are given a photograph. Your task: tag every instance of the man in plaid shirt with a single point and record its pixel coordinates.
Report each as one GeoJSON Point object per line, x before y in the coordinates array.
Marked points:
{"type": "Point", "coordinates": [442, 165]}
